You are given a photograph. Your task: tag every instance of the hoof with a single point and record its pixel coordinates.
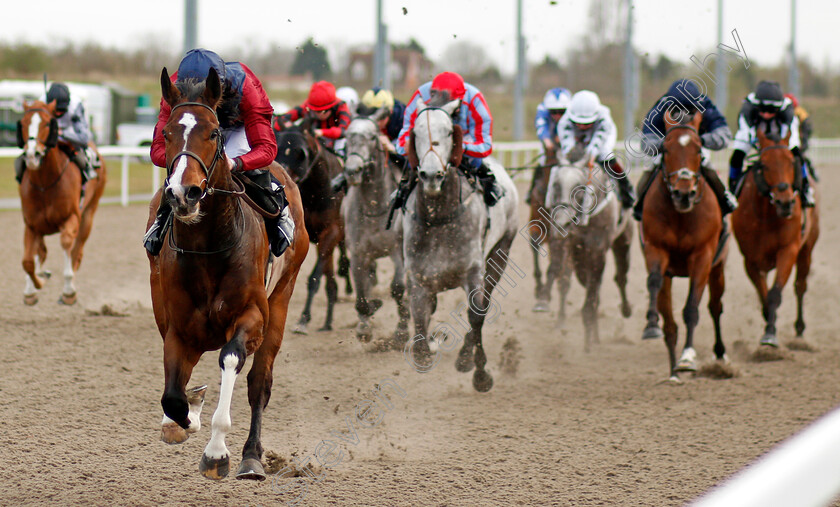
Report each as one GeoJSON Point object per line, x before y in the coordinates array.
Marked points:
{"type": "Point", "coordinates": [173, 434]}
{"type": "Point", "coordinates": [325, 327]}
{"type": "Point", "coordinates": [216, 469]}
{"type": "Point", "coordinates": [465, 361]}
{"type": "Point", "coordinates": [400, 337]}
{"type": "Point", "coordinates": [540, 307]}
{"type": "Point", "coordinates": [363, 332]}
{"type": "Point", "coordinates": [374, 305]}
{"type": "Point", "coordinates": [251, 469]}
{"type": "Point", "coordinates": [770, 339]}
{"type": "Point", "coordinates": [652, 333]}
{"type": "Point", "coordinates": [674, 380]}
{"type": "Point", "coordinates": [30, 299]}
{"type": "Point", "coordinates": [300, 329]}
{"type": "Point", "coordinates": [626, 310]}
{"type": "Point", "coordinates": [482, 381]}
{"type": "Point", "coordinates": [67, 299]}
{"type": "Point", "coordinates": [686, 365]}
{"type": "Point", "coordinates": [45, 274]}
{"type": "Point", "coordinates": [800, 328]}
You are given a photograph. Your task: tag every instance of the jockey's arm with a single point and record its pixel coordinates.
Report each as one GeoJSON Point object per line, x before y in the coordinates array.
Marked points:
{"type": "Point", "coordinates": [158, 149]}
{"type": "Point", "coordinates": [565, 131]}
{"type": "Point", "coordinates": [604, 138]}
{"type": "Point", "coordinates": [716, 139]}
{"type": "Point", "coordinates": [256, 111]}
{"type": "Point", "coordinates": [478, 140]}
{"type": "Point", "coordinates": [408, 122]}
{"type": "Point", "coordinates": [76, 130]}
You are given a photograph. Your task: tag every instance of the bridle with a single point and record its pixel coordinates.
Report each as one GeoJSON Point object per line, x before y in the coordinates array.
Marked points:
{"type": "Point", "coordinates": [761, 183]}
{"type": "Point", "coordinates": [208, 170]}
{"type": "Point", "coordinates": [682, 173]}
{"type": "Point", "coordinates": [445, 164]}
{"type": "Point", "coordinates": [368, 163]}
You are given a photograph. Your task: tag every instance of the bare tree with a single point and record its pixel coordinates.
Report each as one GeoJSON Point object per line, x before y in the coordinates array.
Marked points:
{"type": "Point", "coordinates": [465, 58]}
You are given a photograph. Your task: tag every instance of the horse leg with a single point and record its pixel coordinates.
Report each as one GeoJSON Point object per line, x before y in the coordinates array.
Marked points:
{"type": "Point", "coordinates": [552, 272]}
{"type": "Point", "coordinates": [621, 255]}
{"type": "Point", "coordinates": [69, 231]}
{"type": "Point", "coordinates": [31, 242]}
{"type": "Point", "coordinates": [536, 242]}
{"type": "Point", "coordinates": [398, 293]}
{"type": "Point", "coordinates": [698, 270]}
{"type": "Point", "coordinates": [91, 203]}
{"type": "Point", "coordinates": [344, 267]}
{"type": "Point", "coordinates": [657, 266]}
{"type": "Point", "coordinates": [181, 409]}
{"type": "Point", "coordinates": [422, 302]}
{"type": "Point", "coordinates": [594, 268]}
{"type": "Point", "coordinates": [717, 284]}
{"type": "Point", "coordinates": [40, 258]}
{"type": "Point", "coordinates": [803, 267]}
{"type": "Point", "coordinates": [332, 290]}
{"type": "Point", "coordinates": [564, 283]}
{"type": "Point", "coordinates": [478, 295]}
{"type": "Point", "coordinates": [312, 285]}
{"type": "Point", "coordinates": [759, 281]}
{"type": "Point", "coordinates": [215, 462]}
{"type": "Point", "coordinates": [785, 260]}
{"type": "Point", "coordinates": [360, 270]}
{"type": "Point", "coordinates": [665, 307]}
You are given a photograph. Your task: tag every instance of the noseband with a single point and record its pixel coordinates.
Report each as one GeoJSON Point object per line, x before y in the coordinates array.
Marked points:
{"type": "Point", "coordinates": [761, 182]}
{"type": "Point", "coordinates": [208, 171]}
{"type": "Point", "coordinates": [682, 173]}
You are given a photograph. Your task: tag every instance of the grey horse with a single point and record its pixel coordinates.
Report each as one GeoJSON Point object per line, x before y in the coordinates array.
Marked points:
{"type": "Point", "coordinates": [588, 221]}
{"type": "Point", "coordinates": [365, 212]}
{"type": "Point", "coordinates": [451, 239]}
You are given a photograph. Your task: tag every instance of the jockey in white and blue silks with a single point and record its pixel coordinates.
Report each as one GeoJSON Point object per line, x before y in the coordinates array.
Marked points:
{"type": "Point", "coordinates": [767, 106]}
{"type": "Point", "coordinates": [474, 118]}
{"type": "Point", "coordinates": [588, 126]}
{"type": "Point", "coordinates": [549, 111]}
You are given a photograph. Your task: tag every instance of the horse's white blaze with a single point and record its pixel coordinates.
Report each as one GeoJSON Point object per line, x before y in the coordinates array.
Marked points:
{"type": "Point", "coordinates": [220, 424]}
{"type": "Point", "coordinates": [69, 288]}
{"type": "Point", "coordinates": [685, 139]}
{"type": "Point", "coordinates": [188, 121]}
{"type": "Point", "coordinates": [32, 141]}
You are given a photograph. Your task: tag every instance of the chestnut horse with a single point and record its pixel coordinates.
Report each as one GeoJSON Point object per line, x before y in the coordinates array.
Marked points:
{"type": "Point", "coordinates": [774, 231]}
{"type": "Point", "coordinates": [50, 192]}
{"type": "Point", "coordinates": [681, 231]}
{"type": "Point", "coordinates": [210, 285]}
{"type": "Point", "coordinates": [312, 167]}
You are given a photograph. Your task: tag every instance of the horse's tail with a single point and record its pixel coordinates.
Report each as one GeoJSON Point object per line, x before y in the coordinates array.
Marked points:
{"type": "Point", "coordinates": [93, 192]}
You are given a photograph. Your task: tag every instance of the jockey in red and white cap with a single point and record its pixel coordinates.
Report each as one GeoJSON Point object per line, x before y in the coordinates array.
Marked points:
{"type": "Point", "coordinates": [331, 114]}
{"type": "Point", "coordinates": [473, 116]}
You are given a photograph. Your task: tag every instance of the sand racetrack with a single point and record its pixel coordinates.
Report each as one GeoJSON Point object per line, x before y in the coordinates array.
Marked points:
{"type": "Point", "coordinates": [80, 389]}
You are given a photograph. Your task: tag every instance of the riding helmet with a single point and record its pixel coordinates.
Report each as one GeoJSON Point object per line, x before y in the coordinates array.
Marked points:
{"type": "Point", "coordinates": [584, 107]}
{"type": "Point", "coordinates": [321, 96]}
{"type": "Point", "coordinates": [450, 82]}
{"type": "Point", "coordinates": [196, 64]}
{"type": "Point", "coordinates": [59, 93]}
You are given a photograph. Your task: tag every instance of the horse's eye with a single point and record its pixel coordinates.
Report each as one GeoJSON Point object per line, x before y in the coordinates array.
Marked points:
{"type": "Point", "coordinates": [214, 135]}
{"type": "Point", "coordinates": [435, 143]}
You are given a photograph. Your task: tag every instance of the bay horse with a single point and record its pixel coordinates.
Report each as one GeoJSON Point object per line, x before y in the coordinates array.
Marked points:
{"type": "Point", "coordinates": [681, 236]}
{"type": "Point", "coordinates": [364, 211]}
{"type": "Point", "coordinates": [774, 231]}
{"type": "Point", "coordinates": [585, 208]}
{"type": "Point", "coordinates": [50, 195]}
{"type": "Point", "coordinates": [210, 286]}
{"type": "Point", "coordinates": [312, 167]}
{"type": "Point", "coordinates": [450, 237]}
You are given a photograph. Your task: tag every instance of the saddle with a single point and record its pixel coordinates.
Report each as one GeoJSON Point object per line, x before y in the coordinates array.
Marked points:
{"type": "Point", "coordinates": [267, 203]}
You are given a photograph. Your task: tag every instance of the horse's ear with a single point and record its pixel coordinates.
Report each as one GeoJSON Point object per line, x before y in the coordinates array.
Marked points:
{"type": "Point", "coordinates": [20, 139]}
{"type": "Point", "coordinates": [168, 90]}
{"type": "Point", "coordinates": [421, 104]}
{"type": "Point", "coordinates": [761, 134]}
{"type": "Point", "coordinates": [696, 120]}
{"type": "Point", "coordinates": [786, 140]}
{"type": "Point", "coordinates": [410, 152]}
{"type": "Point", "coordinates": [380, 114]}
{"type": "Point", "coordinates": [457, 146]}
{"type": "Point", "coordinates": [451, 106]}
{"type": "Point", "coordinates": [213, 88]}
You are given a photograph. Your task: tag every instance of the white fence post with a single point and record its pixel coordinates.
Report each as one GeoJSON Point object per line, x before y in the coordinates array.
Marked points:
{"type": "Point", "coordinates": [124, 182]}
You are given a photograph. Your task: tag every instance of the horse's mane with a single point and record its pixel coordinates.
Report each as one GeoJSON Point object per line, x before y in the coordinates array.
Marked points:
{"type": "Point", "coordinates": [439, 99]}
{"type": "Point", "coordinates": [228, 108]}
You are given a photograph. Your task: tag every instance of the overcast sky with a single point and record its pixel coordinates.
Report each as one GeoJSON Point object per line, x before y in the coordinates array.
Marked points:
{"type": "Point", "coordinates": [677, 28]}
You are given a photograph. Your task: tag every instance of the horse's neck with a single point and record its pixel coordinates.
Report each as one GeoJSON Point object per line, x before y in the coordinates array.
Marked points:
{"type": "Point", "coordinates": [52, 165]}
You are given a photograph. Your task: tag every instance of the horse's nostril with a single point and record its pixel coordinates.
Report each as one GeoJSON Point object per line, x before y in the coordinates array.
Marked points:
{"type": "Point", "coordinates": [193, 194]}
{"type": "Point", "coordinates": [169, 194]}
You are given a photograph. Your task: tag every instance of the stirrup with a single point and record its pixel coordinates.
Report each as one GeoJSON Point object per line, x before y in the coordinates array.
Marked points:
{"type": "Point", "coordinates": [153, 239]}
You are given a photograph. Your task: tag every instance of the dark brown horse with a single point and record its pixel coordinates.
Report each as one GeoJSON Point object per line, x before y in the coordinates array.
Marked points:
{"type": "Point", "coordinates": [681, 231]}
{"type": "Point", "coordinates": [774, 231]}
{"type": "Point", "coordinates": [212, 284]}
{"type": "Point", "coordinates": [312, 167]}
{"type": "Point", "coordinates": [50, 192]}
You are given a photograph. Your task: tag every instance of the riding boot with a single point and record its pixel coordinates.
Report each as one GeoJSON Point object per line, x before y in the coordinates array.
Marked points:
{"type": "Point", "coordinates": [807, 194]}
{"type": "Point", "coordinates": [492, 192]}
{"type": "Point", "coordinates": [726, 200]}
{"type": "Point", "coordinates": [400, 196]}
{"type": "Point", "coordinates": [339, 183]}
{"type": "Point", "coordinates": [644, 186]}
{"type": "Point", "coordinates": [626, 194]}
{"type": "Point", "coordinates": [20, 166]}
{"type": "Point", "coordinates": [280, 229]}
{"type": "Point", "coordinates": [81, 159]}
{"type": "Point", "coordinates": [153, 240]}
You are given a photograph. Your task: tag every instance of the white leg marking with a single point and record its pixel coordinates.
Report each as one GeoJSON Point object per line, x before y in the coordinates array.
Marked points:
{"type": "Point", "coordinates": [220, 424]}
{"type": "Point", "coordinates": [29, 289]}
{"type": "Point", "coordinates": [688, 355]}
{"type": "Point", "coordinates": [69, 288]}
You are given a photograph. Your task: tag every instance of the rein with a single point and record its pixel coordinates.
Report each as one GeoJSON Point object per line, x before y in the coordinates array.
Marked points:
{"type": "Point", "coordinates": [761, 182]}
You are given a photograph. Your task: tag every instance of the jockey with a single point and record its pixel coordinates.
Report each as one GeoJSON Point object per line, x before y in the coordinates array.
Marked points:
{"type": "Point", "coordinates": [805, 126]}
{"type": "Point", "coordinates": [475, 120]}
{"type": "Point", "coordinates": [685, 97]}
{"type": "Point", "coordinates": [331, 114]}
{"type": "Point", "coordinates": [350, 97]}
{"type": "Point", "coordinates": [249, 144]}
{"type": "Point", "coordinates": [389, 127]}
{"type": "Point", "coordinates": [73, 129]}
{"type": "Point", "coordinates": [549, 111]}
{"type": "Point", "coordinates": [767, 107]}
{"type": "Point", "coordinates": [588, 126]}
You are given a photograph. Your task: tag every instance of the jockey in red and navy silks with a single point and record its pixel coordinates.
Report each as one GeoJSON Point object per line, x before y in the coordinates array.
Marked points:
{"type": "Point", "coordinates": [473, 117]}
{"type": "Point", "coordinates": [253, 147]}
